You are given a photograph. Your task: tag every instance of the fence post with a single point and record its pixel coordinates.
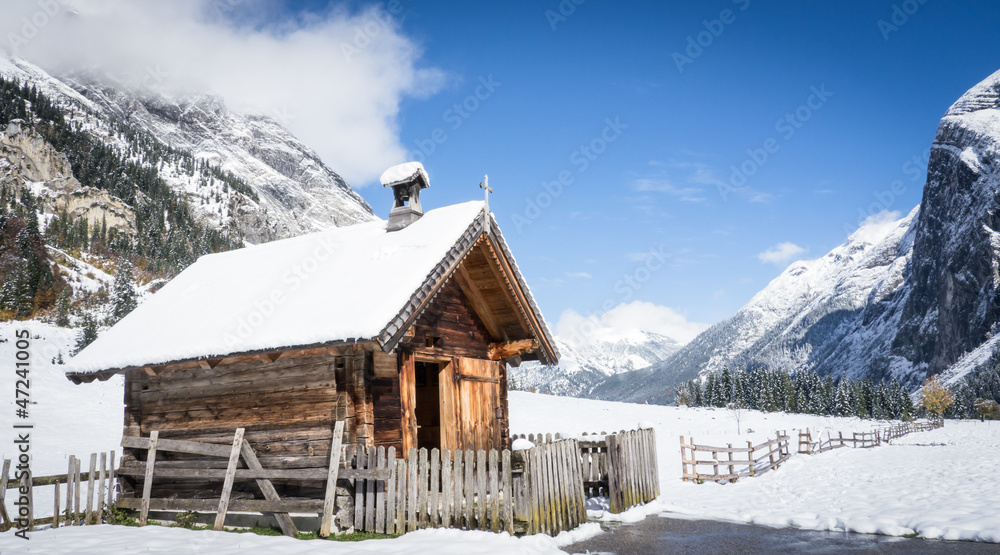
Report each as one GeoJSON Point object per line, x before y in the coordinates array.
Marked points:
{"type": "Point", "coordinates": [100, 490]}
{"type": "Point", "coordinates": [508, 493]}
{"type": "Point", "coordinates": [227, 485]}
{"type": "Point", "coordinates": [753, 464]}
{"type": "Point", "coordinates": [111, 480]}
{"type": "Point", "coordinates": [147, 486]}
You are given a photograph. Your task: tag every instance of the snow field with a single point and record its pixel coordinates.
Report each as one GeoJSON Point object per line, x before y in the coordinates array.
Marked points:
{"type": "Point", "coordinates": [939, 484]}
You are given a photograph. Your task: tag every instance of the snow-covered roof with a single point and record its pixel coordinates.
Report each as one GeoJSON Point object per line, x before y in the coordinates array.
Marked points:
{"type": "Point", "coordinates": [344, 284]}
{"type": "Point", "coordinates": [403, 172]}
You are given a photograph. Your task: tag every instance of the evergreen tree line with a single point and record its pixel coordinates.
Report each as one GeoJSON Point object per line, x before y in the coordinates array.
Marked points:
{"type": "Point", "coordinates": [168, 236]}
{"type": "Point", "coordinates": [28, 281]}
{"type": "Point", "coordinates": [803, 392]}
{"type": "Point", "coordinates": [982, 383]}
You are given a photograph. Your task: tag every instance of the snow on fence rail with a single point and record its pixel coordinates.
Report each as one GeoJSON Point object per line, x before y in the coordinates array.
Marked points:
{"type": "Point", "coordinates": [861, 440]}
{"type": "Point", "coordinates": [737, 462]}
{"type": "Point", "coordinates": [73, 512]}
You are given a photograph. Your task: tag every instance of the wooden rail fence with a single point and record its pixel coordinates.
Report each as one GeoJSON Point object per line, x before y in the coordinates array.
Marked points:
{"type": "Point", "coordinates": [861, 440]}
{"type": "Point", "coordinates": [88, 494]}
{"type": "Point", "coordinates": [736, 463]}
{"type": "Point", "coordinates": [240, 450]}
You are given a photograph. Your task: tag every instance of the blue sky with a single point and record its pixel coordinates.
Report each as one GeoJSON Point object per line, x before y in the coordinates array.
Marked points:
{"type": "Point", "coordinates": [701, 146]}
{"type": "Point", "coordinates": [659, 184]}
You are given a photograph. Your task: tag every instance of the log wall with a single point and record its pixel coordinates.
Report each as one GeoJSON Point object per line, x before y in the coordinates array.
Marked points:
{"type": "Point", "coordinates": [288, 408]}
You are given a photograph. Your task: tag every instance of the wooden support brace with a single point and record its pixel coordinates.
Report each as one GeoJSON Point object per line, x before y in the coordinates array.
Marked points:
{"type": "Point", "coordinates": [147, 485]}
{"type": "Point", "coordinates": [284, 521]}
{"type": "Point", "coordinates": [227, 485]}
{"type": "Point", "coordinates": [326, 526]}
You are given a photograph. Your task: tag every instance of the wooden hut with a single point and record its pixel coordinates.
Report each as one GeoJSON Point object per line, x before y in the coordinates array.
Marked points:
{"type": "Point", "coordinates": [402, 330]}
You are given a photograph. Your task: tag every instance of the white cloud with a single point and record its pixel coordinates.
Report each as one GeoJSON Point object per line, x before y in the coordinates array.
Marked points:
{"type": "Point", "coordinates": [626, 320]}
{"type": "Point", "coordinates": [291, 67]}
{"type": "Point", "coordinates": [781, 254]}
{"type": "Point", "coordinates": [684, 194]}
{"type": "Point", "coordinates": [583, 275]}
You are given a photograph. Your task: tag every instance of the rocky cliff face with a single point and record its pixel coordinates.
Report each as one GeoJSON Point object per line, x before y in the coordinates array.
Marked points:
{"type": "Point", "coordinates": [26, 158]}
{"type": "Point", "coordinates": [953, 283]}
{"type": "Point", "coordinates": [902, 299]}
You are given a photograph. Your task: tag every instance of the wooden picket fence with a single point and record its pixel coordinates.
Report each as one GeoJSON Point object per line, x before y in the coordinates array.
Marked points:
{"type": "Point", "coordinates": [737, 462]}
{"type": "Point", "coordinates": [531, 491]}
{"type": "Point", "coordinates": [861, 440]}
{"type": "Point", "coordinates": [621, 466]}
{"type": "Point", "coordinates": [89, 495]}
{"type": "Point", "coordinates": [470, 490]}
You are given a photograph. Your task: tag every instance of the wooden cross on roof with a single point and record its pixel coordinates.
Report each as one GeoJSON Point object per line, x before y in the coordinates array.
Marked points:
{"type": "Point", "coordinates": [486, 185]}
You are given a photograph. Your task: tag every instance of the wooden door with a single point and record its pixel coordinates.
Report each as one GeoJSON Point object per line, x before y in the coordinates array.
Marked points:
{"type": "Point", "coordinates": [478, 390]}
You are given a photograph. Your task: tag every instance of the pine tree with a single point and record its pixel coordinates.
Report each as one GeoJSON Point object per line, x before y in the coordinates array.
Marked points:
{"type": "Point", "coordinates": [124, 298]}
{"type": "Point", "coordinates": [62, 309]}
{"type": "Point", "coordinates": [843, 403]}
{"type": "Point", "coordinates": [88, 333]}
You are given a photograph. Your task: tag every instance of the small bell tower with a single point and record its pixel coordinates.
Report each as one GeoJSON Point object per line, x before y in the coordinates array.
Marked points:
{"type": "Point", "coordinates": [406, 181]}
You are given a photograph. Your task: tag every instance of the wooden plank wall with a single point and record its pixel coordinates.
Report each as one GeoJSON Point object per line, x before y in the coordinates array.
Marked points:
{"type": "Point", "coordinates": [452, 327]}
{"type": "Point", "coordinates": [387, 407]}
{"type": "Point", "coordinates": [288, 408]}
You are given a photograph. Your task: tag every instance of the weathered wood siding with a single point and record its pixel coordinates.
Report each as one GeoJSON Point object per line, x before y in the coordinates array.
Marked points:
{"type": "Point", "coordinates": [387, 403]}
{"type": "Point", "coordinates": [450, 327]}
{"type": "Point", "coordinates": [288, 408]}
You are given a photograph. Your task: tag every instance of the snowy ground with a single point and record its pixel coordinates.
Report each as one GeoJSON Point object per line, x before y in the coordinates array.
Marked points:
{"type": "Point", "coordinates": [938, 484]}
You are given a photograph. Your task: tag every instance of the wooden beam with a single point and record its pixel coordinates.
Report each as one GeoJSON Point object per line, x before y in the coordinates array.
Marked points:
{"type": "Point", "coordinates": [236, 505]}
{"type": "Point", "coordinates": [298, 474]}
{"type": "Point", "coordinates": [479, 304]}
{"type": "Point", "coordinates": [268, 358]}
{"type": "Point", "coordinates": [209, 363]}
{"type": "Point", "coordinates": [177, 446]}
{"type": "Point", "coordinates": [149, 371]}
{"type": "Point", "coordinates": [499, 273]}
{"type": "Point", "coordinates": [507, 349]}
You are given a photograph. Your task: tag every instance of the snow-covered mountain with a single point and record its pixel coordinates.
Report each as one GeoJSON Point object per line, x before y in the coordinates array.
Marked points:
{"type": "Point", "coordinates": [902, 299]}
{"type": "Point", "coordinates": [584, 364]}
{"type": "Point", "coordinates": [289, 191]}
